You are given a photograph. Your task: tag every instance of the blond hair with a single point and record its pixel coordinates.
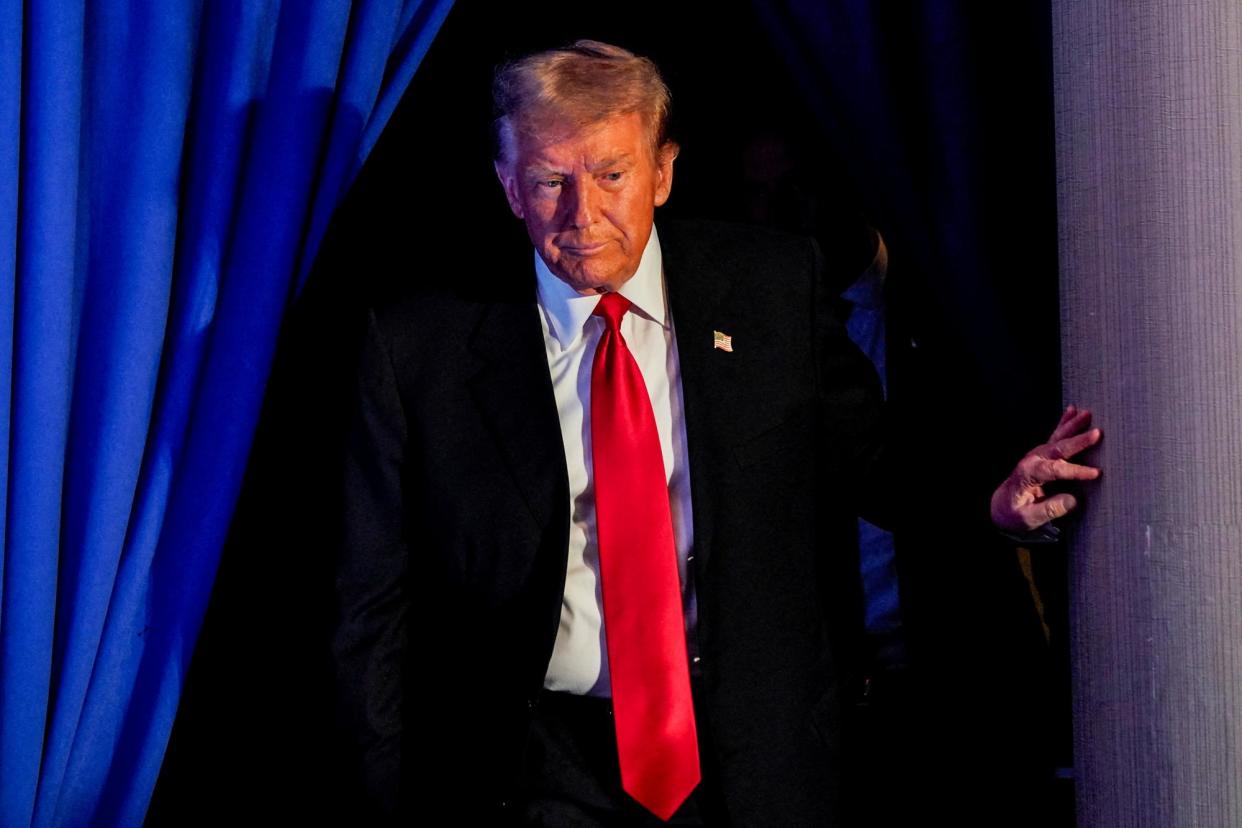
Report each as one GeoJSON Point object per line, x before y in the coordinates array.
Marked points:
{"type": "Point", "coordinates": [574, 87]}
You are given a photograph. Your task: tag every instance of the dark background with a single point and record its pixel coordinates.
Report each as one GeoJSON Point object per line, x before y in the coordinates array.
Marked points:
{"type": "Point", "coordinates": [936, 129]}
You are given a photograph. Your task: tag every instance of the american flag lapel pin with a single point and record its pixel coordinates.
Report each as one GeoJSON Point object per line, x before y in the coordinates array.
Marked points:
{"type": "Point", "coordinates": [722, 341]}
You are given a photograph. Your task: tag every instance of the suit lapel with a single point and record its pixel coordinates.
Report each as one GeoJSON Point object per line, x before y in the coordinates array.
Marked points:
{"type": "Point", "coordinates": [696, 293]}
{"type": "Point", "coordinates": [513, 391]}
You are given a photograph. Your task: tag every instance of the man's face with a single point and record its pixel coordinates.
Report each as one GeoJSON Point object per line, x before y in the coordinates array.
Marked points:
{"type": "Point", "coordinates": [588, 198]}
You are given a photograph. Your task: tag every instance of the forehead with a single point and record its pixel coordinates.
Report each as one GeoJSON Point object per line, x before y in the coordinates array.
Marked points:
{"type": "Point", "coordinates": [613, 137]}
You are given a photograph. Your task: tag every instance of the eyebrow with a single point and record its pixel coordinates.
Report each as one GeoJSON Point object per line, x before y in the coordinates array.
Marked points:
{"type": "Point", "coordinates": [611, 162]}
{"type": "Point", "coordinates": [539, 169]}
{"type": "Point", "coordinates": [542, 170]}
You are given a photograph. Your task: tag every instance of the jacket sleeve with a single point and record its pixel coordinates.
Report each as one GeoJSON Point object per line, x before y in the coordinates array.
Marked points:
{"type": "Point", "coordinates": [370, 637]}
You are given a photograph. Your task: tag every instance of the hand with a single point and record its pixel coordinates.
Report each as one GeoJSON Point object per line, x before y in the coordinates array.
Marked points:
{"type": "Point", "coordinates": [1019, 504]}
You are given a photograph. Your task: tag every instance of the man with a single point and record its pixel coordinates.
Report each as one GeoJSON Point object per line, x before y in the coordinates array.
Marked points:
{"type": "Point", "coordinates": [588, 574]}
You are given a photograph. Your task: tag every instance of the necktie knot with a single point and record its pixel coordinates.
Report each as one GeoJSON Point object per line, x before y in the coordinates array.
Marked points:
{"type": "Point", "coordinates": [612, 306]}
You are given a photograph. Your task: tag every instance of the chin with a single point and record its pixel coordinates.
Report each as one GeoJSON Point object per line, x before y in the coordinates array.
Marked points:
{"type": "Point", "coordinates": [587, 284]}
{"type": "Point", "coordinates": [590, 278]}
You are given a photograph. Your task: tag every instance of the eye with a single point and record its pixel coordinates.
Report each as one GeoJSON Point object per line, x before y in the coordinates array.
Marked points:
{"type": "Point", "coordinates": [550, 183]}
{"type": "Point", "coordinates": [613, 176]}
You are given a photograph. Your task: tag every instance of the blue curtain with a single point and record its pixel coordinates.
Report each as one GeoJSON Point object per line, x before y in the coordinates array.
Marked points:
{"type": "Point", "coordinates": [167, 170]}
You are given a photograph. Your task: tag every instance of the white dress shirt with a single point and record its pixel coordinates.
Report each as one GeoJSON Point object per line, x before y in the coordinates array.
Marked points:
{"type": "Point", "coordinates": [579, 658]}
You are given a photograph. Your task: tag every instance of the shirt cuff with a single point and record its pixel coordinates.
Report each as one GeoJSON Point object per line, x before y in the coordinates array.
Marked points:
{"type": "Point", "coordinates": [1044, 534]}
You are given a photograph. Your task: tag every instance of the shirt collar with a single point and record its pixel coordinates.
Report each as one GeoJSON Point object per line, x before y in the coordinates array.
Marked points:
{"type": "Point", "coordinates": [567, 310]}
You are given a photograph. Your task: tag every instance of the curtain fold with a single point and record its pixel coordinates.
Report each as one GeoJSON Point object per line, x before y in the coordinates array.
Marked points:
{"type": "Point", "coordinates": [167, 171]}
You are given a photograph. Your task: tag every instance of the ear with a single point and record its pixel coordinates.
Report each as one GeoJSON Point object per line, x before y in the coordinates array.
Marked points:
{"type": "Point", "coordinates": [508, 181]}
{"type": "Point", "coordinates": [665, 157]}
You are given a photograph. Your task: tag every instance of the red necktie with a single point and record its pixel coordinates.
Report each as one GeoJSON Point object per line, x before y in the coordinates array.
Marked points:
{"type": "Point", "coordinates": [643, 619]}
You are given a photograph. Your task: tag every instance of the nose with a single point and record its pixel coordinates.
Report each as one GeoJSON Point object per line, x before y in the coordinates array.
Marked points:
{"type": "Point", "coordinates": [583, 203]}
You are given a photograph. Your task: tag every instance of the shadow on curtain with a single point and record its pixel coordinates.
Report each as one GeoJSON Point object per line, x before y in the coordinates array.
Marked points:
{"type": "Point", "coordinates": [166, 174]}
{"type": "Point", "coordinates": [944, 112]}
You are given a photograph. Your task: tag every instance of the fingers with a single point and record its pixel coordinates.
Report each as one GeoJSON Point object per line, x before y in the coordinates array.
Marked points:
{"type": "Point", "coordinates": [1066, 415]}
{"type": "Point", "coordinates": [1020, 501]}
{"type": "Point", "coordinates": [1037, 514]}
{"type": "Point", "coordinates": [1062, 470]}
{"type": "Point", "coordinates": [1035, 470]}
{"type": "Point", "coordinates": [1073, 421]}
{"type": "Point", "coordinates": [1022, 515]}
{"type": "Point", "coordinates": [1070, 446]}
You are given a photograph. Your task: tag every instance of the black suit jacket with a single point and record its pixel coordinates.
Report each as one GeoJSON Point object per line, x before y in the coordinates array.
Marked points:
{"type": "Point", "coordinates": [457, 514]}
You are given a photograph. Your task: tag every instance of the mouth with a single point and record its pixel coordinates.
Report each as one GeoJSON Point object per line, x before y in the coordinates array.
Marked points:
{"type": "Point", "coordinates": [582, 249]}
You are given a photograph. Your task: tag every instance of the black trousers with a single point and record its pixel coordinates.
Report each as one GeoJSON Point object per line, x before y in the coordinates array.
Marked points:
{"type": "Point", "coordinates": [571, 777]}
